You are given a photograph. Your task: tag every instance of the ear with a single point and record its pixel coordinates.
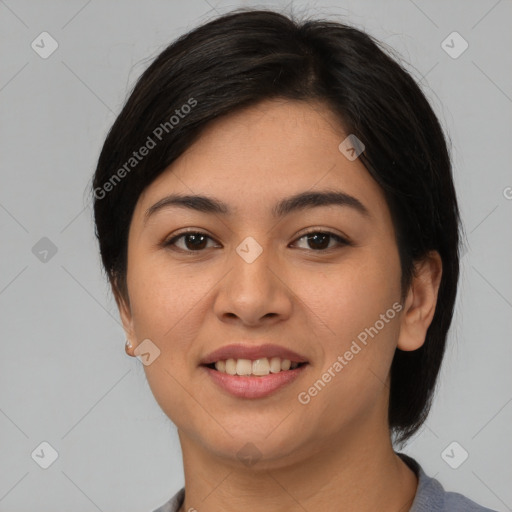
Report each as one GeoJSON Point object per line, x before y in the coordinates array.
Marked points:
{"type": "Point", "coordinates": [123, 306]}
{"type": "Point", "coordinates": [420, 304]}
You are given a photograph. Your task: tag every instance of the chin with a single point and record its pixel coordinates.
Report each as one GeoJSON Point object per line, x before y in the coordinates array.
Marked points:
{"type": "Point", "coordinates": [259, 454]}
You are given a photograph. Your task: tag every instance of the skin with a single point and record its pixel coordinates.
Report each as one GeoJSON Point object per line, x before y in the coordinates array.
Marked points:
{"type": "Point", "coordinates": [335, 452]}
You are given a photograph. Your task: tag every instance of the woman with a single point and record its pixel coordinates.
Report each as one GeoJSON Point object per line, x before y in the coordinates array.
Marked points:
{"type": "Point", "coordinates": [277, 218]}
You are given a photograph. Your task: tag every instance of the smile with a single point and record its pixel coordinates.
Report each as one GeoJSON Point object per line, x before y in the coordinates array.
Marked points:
{"type": "Point", "coordinates": [255, 368]}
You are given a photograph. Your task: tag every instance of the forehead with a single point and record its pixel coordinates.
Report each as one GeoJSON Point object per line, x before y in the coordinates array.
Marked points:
{"type": "Point", "coordinates": [254, 157]}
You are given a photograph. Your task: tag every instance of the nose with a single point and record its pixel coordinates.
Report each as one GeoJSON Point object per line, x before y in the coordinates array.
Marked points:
{"type": "Point", "coordinates": [254, 293]}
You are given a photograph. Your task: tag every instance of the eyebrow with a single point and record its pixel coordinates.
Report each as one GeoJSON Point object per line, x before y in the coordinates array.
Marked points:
{"type": "Point", "coordinates": [298, 202]}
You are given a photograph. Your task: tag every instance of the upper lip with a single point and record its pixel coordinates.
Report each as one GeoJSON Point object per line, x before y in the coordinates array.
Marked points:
{"type": "Point", "coordinates": [253, 352]}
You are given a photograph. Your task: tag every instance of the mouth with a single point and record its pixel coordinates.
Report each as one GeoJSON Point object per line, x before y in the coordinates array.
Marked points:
{"type": "Point", "coordinates": [246, 371]}
{"type": "Point", "coordinates": [253, 360]}
{"type": "Point", "coordinates": [254, 368]}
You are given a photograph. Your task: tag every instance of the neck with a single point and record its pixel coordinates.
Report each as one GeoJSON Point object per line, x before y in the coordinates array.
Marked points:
{"type": "Point", "coordinates": [357, 471]}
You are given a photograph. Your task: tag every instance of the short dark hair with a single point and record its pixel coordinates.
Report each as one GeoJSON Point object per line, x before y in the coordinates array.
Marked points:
{"type": "Point", "coordinates": [250, 55]}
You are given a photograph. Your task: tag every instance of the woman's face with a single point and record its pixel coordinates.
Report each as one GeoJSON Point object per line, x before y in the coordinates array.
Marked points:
{"type": "Point", "coordinates": [252, 278]}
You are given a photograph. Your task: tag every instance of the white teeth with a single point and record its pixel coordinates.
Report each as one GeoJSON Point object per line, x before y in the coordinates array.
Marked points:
{"type": "Point", "coordinates": [221, 366]}
{"type": "Point", "coordinates": [285, 364]}
{"type": "Point", "coordinates": [231, 367]}
{"type": "Point", "coordinates": [258, 367]}
{"type": "Point", "coordinates": [261, 367]}
{"type": "Point", "coordinates": [243, 367]}
{"type": "Point", "coordinates": [275, 364]}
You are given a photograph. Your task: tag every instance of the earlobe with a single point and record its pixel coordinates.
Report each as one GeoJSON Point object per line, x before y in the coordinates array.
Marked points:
{"type": "Point", "coordinates": [126, 317]}
{"type": "Point", "coordinates": [420, 304]}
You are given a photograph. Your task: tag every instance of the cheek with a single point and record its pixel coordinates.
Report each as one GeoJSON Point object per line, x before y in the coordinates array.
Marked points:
{"type": "Point", "coordinates": [357, 305]}
{"type": "Point", "coordinates": [165, 307]}
{"type": "Point", "coordinates": [351, 297]}
{"type": "Point", "coordinates": [163, 299]}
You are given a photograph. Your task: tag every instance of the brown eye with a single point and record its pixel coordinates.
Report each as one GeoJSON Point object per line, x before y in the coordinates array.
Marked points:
{"type": "Point", "coordinates": [320, 240]}
{"type": "Point", "coordinates": [192, 241]}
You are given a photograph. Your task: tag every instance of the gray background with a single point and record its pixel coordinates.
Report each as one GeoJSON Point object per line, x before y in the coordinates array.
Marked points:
{"type": "Point", "coordinates": [64, 375]}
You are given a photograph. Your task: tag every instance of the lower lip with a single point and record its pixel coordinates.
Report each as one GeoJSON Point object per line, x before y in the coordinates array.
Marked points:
{"type": "Point", "coordinates": [254, 387]}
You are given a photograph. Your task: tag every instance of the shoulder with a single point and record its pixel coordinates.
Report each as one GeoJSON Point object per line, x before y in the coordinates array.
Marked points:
{"type": "Point", "coordinates": [432, 497]}
{"type": "Point", "coordinates": [455, 501]}
{"type": "Point", "coordinates": [174, 504]}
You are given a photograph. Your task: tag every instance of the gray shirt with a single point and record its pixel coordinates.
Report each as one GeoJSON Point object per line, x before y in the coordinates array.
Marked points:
{"type": "Point", "coordinates": [430, 495]}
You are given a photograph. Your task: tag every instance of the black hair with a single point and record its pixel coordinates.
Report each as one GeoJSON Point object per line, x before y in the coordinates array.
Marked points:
{"type": "Point", "coordinates": [248, 56]}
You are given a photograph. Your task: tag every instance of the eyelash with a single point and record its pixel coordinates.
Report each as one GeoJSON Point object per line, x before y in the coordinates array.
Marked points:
{"type": "Point", "coordinates": [339, 239]}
